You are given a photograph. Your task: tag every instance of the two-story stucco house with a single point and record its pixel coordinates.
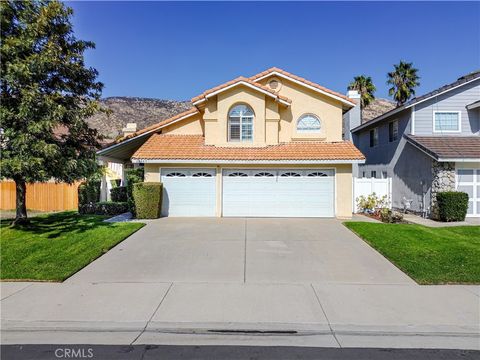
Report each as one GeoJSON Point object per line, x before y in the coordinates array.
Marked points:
{"type": "Point", "coordinates": [429, 144]}
{"type": "Point", "coordinates": [268, 146]}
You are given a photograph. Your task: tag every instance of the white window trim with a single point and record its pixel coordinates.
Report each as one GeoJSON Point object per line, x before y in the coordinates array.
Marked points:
{"type": "Point", "coordinates": [447, 131]}
{"type": "Point", "coordinates": [309, 131]}
{"type": "Point", "coordinates": [241, 134]}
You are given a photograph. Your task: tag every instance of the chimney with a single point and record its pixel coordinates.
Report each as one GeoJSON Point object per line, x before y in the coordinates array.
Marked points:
{"type": "Point", "coordinates": [353, 117]}
{"type": "Point", "coordinates": [131, 128]}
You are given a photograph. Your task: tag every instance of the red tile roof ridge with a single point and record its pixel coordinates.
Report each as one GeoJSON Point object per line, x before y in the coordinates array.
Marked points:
{"type": "Point", "coordinates": [301, 79]}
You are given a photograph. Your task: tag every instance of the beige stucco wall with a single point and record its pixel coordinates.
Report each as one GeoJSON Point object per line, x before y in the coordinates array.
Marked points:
{"type": "Point", "coordinates": [273, 122]}
{"type": "Point", "coordinates": [343, 181]}
{"type": "Point", "coordinates": [306, 101]}
{"type": "Point", "coordinates": [191, 126]}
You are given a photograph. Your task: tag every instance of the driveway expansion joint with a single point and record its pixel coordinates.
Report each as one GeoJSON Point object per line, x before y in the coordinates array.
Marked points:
{"type": "Point", "coordinates": [151, 317]}
{"type": "Point", "coordinates": [325, 314]}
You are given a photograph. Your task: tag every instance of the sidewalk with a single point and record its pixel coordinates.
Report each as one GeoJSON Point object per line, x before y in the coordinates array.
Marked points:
{"type": "Point", "coordinates": [325, 315]}
{"type": "Point", "coordinates": [415, 219]}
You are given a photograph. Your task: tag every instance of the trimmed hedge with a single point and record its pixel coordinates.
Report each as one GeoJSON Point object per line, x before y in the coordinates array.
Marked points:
{"type": "Point", "coordinates": [103, 208]}
{"type": "Point", "coordinates": [133, 176]}
{"type": "Point", "coordinates": [119, 194]}
{"type": "Point", "coordinates": [89, 192]}
{"type": "Point", "coordinates": [452, 205]}
{"type": "Point", "coordinates": [148, 200]}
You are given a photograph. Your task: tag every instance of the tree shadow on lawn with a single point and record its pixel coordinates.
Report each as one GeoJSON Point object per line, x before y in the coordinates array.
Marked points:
{"type": "Point", "coordinates": [54, 225]}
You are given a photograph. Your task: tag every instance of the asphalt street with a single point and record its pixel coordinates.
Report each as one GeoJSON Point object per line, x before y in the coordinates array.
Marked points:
{"type": "Point", "coordinates": [167, 352]}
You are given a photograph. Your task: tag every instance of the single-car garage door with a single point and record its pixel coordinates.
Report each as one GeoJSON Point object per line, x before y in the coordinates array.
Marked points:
{"type": "Point", "coordinates": [278, 193]}
{"type": "Point", "coordinates": [188, 192]}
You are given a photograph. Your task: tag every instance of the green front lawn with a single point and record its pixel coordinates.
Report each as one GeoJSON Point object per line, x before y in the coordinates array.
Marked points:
{"type": "Point", "coordinates": [55, 246]}
{"type": "Point", "coordinates": [428, 255]}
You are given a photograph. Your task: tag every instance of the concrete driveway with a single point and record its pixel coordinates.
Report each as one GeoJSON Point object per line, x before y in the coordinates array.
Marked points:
{"type": "Point", "coordinates": [282, 251]}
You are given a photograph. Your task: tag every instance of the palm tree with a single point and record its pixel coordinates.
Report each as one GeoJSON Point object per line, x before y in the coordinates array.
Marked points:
{"type": "Point", "coordinates": [364, 85]}
{"type": "Point", "coordinates": [404, 80]}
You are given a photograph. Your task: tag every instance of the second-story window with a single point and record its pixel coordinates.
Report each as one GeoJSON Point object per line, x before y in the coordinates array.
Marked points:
{"type": "Point", "coordinates": [240, 123]}
{"type": "Point", "coordinates": [374, 137]}
{"type": "Point", "coordinates": [308, 123]}
{"type": "Point", "coordinates": [446, 121]}
{"type": "Point", "coordinates": [393, 131]}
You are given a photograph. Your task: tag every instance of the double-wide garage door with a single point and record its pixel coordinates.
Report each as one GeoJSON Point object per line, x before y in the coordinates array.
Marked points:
{"type": "Point", "coordinates": [254, 193]}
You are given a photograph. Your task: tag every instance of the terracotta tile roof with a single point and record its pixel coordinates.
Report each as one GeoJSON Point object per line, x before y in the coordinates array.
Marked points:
{"type": "Point", "coordinates": [159, 125]}
{"type": "Point", "coordinates": [238, 80]}
{"type": "Point", "coordinates": [448, 147]}
{"type": "Point", "coordinates": [192, 147]}
{"type": "Point", "coordinates": [303, 80]}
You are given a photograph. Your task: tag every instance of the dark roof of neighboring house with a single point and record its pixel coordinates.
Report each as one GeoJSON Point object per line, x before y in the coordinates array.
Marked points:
{"type": "Point", "coordinates": [459, 82]}
{"type": "Point", "coordinates": [447, 147]}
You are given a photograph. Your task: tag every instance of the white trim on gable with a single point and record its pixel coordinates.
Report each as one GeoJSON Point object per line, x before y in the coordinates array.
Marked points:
{"type": "Point", "coordinates": [276, 97]}
{"type": "Point", "coordinates": [100, 152]}
{"type": "Point", "coordinates": [275, 73]}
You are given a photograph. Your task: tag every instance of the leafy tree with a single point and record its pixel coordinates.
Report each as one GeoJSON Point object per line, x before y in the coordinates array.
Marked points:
{"type": "Point", "coordinates": [46, 94]}
{"type": "Point", "coordinates": [364, 85]}
{"type": "Point", "coordinates": [404, 80]}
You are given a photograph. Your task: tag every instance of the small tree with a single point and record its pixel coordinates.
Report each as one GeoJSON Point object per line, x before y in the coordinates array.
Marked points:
{"type": "Point", "coordinates": [404, 80]}
{"type": "Point", "coordinates": [364, 85]}
{"type": "Point", "coordinates": [47, 92]}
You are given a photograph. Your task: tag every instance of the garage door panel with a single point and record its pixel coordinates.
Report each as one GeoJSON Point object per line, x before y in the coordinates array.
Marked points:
{"type": "Point", "coordinates": [468, 181]}
{"type": "Point", "coordinates": [188, 192]}
{"type": "Point", "coordinates": [282, 193]}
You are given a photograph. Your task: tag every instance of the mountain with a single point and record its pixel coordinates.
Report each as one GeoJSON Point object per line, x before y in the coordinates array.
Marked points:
{"type": "Point", "coordinates": [142, 111]}
{"type": "Point", "coordinates": [376, 108]}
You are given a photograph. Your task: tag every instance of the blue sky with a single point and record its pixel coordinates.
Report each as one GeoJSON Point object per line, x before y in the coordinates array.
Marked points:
{"type": "Point", "coordinates": [177, 50]}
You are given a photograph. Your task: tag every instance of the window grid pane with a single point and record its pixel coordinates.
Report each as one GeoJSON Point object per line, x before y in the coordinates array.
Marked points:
{"type": "Point", "coordinates": [446, 121]}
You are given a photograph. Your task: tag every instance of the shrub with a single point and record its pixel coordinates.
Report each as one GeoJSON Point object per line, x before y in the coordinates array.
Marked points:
{"type": "Point", "coordinates": [103, 208]}
{"type": "Point", "coordinates": [115, 183]}
{"type": "Point", "coordinates": [390, 216]}
{"type": "Point", "coordinates": [119, 194]}
{"type": "Point", "coordinates": [371, 203]}
{"type": "Point", "coordinates": [148, 200]}
{"type": "Point", "coordinates": [452, 205]}
{"type": "Point", "coordinates": [132, 176]}
{"type": "Point", "coordinates": [89, 192]}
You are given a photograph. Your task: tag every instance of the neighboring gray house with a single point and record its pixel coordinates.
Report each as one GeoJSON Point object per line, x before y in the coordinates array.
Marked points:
{"type": "Point", "coordinates": [429, 144]}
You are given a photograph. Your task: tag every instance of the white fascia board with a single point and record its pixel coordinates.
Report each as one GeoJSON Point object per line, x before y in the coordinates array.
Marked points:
{"type": "Point", "coordinates": [403, 107]}
{"type": "Point", "coordinates": [274, 73]}
{"type": "Point", "coordinates": [443, 92]}
{"type": "Point", "coordinates": [271, 162]}
{"type": "Point", "coordinates": [419, 148]}
{"type": "Point", "coordinates": [473, 106]}
{"type": "Point", "coordinates": [469, 160]}
{"type": "Point", "coordinates": [100, 152]}
{"type": "Point", "coordinates": [276, 97]}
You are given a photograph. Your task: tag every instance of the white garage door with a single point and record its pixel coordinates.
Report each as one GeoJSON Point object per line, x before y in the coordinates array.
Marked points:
{"type": "Point", "coordinates": [278, 193]}
{"type": "Point", "coordinates": [468, 180]}
{"type": "Point", "coordinates": [188, 192]}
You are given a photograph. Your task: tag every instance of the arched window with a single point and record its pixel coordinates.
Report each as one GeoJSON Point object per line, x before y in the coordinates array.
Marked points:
{"type": "Point", "coordinates": [240, 123]}
{"type": "Point", "coordinates": [238, 174]}
{"type": "Point", "coordinates": [308, 123]}
{"type": "Point", "coordinates": [175, 174]}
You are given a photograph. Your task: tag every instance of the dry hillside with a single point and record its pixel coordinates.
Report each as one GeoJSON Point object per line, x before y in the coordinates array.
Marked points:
{"type": "Point", "coordinates": [376, 108]}
{"type": "Point", "coordinates": [142, 111]}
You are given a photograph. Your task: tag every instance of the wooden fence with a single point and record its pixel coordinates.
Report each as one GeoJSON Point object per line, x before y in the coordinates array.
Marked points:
{"type": "Point", "coordinates": [41, 196]}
